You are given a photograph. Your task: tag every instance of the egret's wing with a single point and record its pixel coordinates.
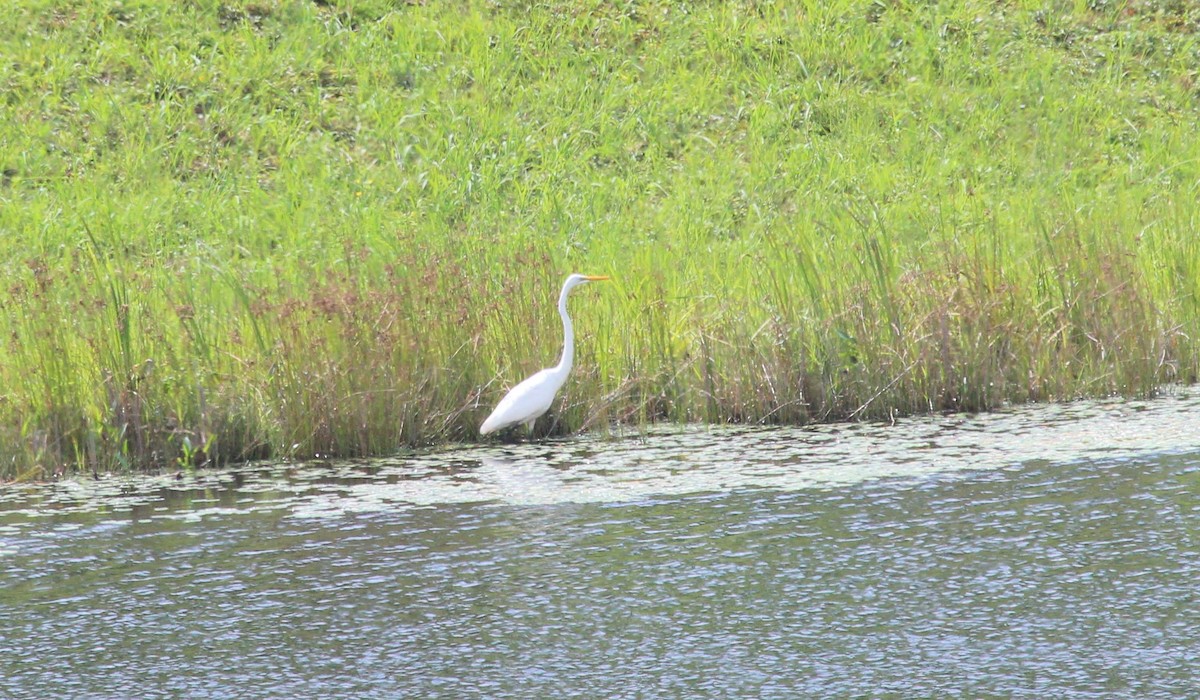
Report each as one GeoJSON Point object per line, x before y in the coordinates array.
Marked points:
{"type": "Point", "coordinates": [529, 399]}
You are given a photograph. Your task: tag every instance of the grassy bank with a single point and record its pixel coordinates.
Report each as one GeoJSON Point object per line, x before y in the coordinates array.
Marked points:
{"type": "Point", "coordinates": [236, 230]}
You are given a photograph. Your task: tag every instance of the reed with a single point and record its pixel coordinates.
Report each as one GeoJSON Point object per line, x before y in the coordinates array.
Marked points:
{"type": "Point", "coordinates": [236, 230]}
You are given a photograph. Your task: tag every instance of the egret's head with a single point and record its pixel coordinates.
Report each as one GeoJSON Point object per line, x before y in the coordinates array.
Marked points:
{"type": "Point", "coordinates": [577, 279]}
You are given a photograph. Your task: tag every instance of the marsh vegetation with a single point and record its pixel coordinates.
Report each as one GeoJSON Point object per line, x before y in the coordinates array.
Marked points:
{"type": "Point", "coordinates": [252, 229]}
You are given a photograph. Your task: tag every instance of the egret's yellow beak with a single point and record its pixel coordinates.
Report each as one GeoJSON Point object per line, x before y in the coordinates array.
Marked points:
{"type": "Point", "coordinates": [595, 278]}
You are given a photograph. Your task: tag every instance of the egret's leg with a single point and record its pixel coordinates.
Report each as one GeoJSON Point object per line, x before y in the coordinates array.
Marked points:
{"type": "Point", "coordinates": [529, 425]}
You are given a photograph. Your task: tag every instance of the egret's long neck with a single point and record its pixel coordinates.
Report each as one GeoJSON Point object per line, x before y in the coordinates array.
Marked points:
{"type": "Point", "coordinates": [568, 352]}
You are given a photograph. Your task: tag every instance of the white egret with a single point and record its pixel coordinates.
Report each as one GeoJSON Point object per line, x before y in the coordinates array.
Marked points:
{"type": "Point", "coordinates": [531, 398]}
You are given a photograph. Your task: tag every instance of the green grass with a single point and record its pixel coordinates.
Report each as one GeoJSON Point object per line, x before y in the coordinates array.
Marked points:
{"type": "Point", "coordinates": [283, 229]}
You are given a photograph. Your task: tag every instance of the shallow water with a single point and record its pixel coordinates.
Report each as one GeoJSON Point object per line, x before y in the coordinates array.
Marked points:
{"type": "Point", "coordinates": [1050, 551]}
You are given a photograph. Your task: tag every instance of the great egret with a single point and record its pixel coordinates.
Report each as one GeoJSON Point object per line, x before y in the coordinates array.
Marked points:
{"type": "Point", "coordinates": [531, 398]}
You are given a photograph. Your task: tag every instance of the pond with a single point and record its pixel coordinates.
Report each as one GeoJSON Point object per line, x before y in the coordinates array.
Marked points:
{"type": "Point", "coordinates": [1037, 552]}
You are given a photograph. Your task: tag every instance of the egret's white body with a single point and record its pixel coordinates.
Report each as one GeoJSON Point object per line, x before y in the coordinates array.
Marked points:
{"type": "Point", "coordinates": [531, 398]}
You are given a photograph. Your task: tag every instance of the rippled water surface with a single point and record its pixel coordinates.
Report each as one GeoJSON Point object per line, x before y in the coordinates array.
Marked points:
{"type": "Point", "coordinates": [1051, 551]}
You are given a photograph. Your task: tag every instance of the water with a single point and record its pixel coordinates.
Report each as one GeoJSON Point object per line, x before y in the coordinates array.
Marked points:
{"type": "Point", "coordinates": [1046, 552]}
